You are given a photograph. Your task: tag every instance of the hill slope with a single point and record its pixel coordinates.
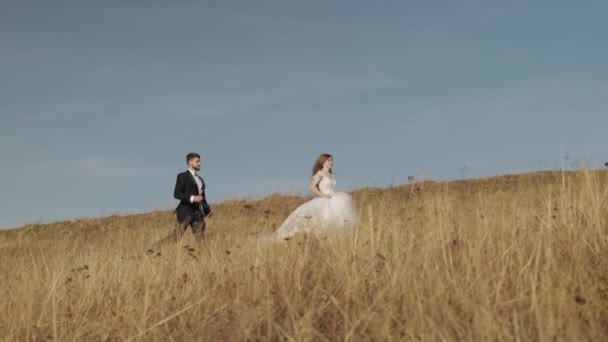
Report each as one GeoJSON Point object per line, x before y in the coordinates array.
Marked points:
{"type": "Point", "coordinates": [511, 257]}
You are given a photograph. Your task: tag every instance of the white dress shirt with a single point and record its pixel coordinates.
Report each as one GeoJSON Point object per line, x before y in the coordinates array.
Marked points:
{"type": "Point", "coordinates": [199, 184]}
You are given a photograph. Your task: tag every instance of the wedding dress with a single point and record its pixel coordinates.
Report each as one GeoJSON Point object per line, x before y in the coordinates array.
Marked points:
{"type": "Point", "coordinates": [321, 215]}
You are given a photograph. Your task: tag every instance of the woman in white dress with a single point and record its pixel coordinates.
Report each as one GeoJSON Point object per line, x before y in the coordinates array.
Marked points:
{"type": "Point", "coordinates": [329, 211]}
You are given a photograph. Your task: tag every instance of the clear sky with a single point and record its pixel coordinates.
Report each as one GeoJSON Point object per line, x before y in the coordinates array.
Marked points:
{"type": "Point", "coordinates": [101, 100]}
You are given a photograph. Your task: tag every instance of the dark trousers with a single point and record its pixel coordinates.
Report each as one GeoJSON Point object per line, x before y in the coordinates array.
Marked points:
{"type": "Point", "coordinates": [195, 221]}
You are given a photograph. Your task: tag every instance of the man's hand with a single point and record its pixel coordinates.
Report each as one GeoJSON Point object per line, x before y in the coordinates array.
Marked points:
{"type": "Point", "coordinates": [197, 199]}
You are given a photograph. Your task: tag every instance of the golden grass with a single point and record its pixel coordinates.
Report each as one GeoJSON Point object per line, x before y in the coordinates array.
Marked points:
{"type": "Point", "coordinates": [507, 258]}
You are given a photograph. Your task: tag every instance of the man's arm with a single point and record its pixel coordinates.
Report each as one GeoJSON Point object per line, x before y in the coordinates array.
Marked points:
{"type": "Point", "coordinates": [205, 205]}
{"type": "Point", "coordinates": [180, 187]}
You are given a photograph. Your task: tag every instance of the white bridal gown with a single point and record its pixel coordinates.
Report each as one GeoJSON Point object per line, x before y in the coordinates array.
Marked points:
{"type": "Point", "coordinates": [321, 215]}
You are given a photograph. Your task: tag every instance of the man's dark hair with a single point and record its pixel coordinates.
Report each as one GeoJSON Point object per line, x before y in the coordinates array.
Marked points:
{"type": "Point", "coordinates": [191, 156]}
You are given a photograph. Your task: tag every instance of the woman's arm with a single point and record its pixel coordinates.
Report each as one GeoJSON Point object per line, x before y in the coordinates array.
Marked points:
{"type": "Point", "coordinates": [314, 186]}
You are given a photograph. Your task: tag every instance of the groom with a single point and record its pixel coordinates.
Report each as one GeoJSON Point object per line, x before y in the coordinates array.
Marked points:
{"type": "Point", "coordinates": [193, 206]}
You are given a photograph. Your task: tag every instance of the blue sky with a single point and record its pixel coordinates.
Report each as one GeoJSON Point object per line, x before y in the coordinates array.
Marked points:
{"type": "Point", "coordinates": [101, 100]}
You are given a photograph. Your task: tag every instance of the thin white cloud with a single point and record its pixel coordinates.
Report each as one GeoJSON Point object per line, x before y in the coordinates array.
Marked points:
{"type": "Point", "coordinates": [262, 187]}
{"type": "Point", "coordinates": [226, 93]}
{"type": "Point", "coordinates": [64, 110]}
{"type": "Point", "coordinates": [548, 98]}
{"type": "Point", "coordinates": [102, 167]}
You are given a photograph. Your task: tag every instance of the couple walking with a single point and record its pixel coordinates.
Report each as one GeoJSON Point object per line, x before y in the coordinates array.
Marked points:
{"type": "Point", "coordinates": [328, 211]}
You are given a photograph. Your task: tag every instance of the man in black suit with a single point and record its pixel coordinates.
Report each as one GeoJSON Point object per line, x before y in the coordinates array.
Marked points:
{"type": "Point", "coordinates": [193, 206]}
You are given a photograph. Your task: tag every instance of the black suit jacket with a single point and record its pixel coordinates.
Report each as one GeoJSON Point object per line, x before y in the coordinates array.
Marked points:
{"type": "Point", "coordinates": [185, 186]}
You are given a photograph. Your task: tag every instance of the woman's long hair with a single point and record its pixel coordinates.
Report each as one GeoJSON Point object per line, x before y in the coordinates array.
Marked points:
{"type": "Point", "coordinates": [319, 163]}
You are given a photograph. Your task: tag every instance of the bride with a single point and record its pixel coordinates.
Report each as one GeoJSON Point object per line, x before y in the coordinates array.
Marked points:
{"type": "Point", "coordinates": [329, 211]}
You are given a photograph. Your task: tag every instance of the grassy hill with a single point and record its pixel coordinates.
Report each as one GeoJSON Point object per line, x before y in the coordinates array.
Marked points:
{"type": "Point", "coordinates": [518, 257]}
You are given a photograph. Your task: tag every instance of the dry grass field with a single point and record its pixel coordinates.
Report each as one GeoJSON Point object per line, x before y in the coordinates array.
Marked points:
{"type": "Point", "coordinates": [514, 258]}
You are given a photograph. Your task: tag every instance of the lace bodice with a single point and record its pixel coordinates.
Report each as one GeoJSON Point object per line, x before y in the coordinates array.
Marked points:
{"type": "Point", "coordinates": [327, 185]}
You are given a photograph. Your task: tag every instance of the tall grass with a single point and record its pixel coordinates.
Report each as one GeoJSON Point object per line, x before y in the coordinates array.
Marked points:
{"type": "Point", "coordinates": [507, 258]}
